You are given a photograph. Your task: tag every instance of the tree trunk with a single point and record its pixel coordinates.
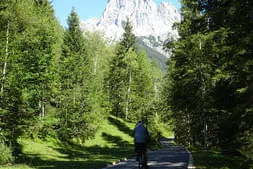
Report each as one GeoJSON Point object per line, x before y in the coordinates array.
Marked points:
{"type": "Point", "coordinates": [156, 91]}
{"type": "Point", "coordinates": [6, 57]}
{"type": "Point", "coordinates": [189, 128]}
{"type": "Point", "coordinates": [95, 65]}
{"type": "Point", "coordinates": [202, 99]}
{"type": "Point", "coordinates": [42, 108]}
{"type": "Point", "coordinates": [128, 94]}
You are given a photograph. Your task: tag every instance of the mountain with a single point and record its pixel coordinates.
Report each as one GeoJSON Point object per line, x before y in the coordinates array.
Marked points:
{"type": "Point", "coordinates": [152, 24]}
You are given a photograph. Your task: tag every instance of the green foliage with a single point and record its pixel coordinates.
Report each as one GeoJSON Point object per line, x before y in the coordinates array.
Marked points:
{"type": "Point", "coordinates": [131, 84]}
{"type": "Point", "coordinates": [82, 69]}
{"type": "Point", "coordinates": [28, 34]}
{"type": "Point", "coordinates": [153, 55]}
{"type": "Point", "coordinates": [210, 79]}
{"type": "Point", "coordinates": [119, 77]}
{"type": "Point", "coordinates": [128, 41]}
{"type": "Point", "coordinates": [154, 127]}
{"type": "Point", "coordinates": [72, 84]}
{"type": "Point", "coordinates": [6, 154]}
{"type": "Point", "coordinates": [216, 160]}
{"type": "Point", "coordinates": [100, 55]}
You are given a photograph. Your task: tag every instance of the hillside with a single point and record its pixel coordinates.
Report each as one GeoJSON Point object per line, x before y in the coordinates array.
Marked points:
{"type": "Point", "coordinates": [155, 56]}
{"type": "Point", "coordinates": [112, 142]}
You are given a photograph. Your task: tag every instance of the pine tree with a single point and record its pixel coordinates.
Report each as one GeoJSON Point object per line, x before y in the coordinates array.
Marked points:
{"type": "Point", "coordinates": [75, 77]}
{"type": "Point", "coordinates": [29, 40]}
{"type": "Point", "coordinates": [99, 54]}
{"type": "Point", "coordinates": [118, 76]}
{"type": "Point", "coordinates": [210, 76]}
{"type": "Point", "coordinates": [130, 80]}
{"type": "Point", "coordinates": [234, 73]}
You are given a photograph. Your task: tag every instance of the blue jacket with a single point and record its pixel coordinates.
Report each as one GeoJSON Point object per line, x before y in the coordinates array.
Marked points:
{"type": "Point", "coordinates": [140, 134]}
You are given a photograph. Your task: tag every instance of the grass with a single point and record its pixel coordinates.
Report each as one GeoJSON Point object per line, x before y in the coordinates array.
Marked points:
{"type": "Point", "coordinates": [112, 142]}
{"type": "Point", "coordinates": [15, 167]}
{"type": "Point", "coordinates": [216, 160]}
{"type": "Point", "coordinates": [167, 131]}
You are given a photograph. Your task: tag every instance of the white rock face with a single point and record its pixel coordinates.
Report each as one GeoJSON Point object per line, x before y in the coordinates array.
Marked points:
{"type": "Point", "coordinates": [146, 17]}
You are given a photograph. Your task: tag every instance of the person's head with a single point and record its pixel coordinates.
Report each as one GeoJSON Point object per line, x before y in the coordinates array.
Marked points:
{"type": "Point", "coordinates": [139, 123]}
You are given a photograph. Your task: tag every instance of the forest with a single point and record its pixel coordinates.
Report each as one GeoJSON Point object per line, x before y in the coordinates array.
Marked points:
{"type": "Point", "coordinates": [62, 83]}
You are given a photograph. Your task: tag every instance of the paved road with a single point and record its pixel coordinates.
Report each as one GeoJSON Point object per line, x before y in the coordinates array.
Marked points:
{"type": "Point", "coordinates": [169, 156]}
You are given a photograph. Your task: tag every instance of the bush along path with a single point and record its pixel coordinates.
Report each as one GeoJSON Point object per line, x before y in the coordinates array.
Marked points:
{"type": "Point", "coordinates": [170, 156]}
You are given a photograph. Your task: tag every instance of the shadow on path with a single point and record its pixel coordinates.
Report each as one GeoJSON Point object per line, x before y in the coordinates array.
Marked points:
{"type": "Point", "coordinates": [168, 157]}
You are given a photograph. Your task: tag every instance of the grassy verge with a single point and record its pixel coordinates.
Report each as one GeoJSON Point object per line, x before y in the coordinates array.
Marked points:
{"type": "Point", "coordinates": [21, 166]}
{"type": "Point", "coordinates": [112, 142]}
{"type": "Point", "coordinates": [216, 160]}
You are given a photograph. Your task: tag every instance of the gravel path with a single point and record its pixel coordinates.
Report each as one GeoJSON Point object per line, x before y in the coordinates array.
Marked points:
{"type": "Point", "coordinates": [170, 156]}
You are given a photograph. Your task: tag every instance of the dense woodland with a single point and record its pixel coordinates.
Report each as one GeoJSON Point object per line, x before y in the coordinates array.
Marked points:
{"type": "Point", "coordinates": [209, 85]}
{"type": "Point", "coordinates": [61, 82]}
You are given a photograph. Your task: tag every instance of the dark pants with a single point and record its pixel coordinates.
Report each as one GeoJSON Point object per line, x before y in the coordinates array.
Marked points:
{"type": "Point", "coordinates": [141, 147]}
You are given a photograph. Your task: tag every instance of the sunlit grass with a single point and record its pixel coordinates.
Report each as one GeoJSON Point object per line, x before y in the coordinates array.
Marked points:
{"type": "Point", "coordinates": [167, 131]}
{"type": "Point", "coordinates": [114, 130]}
{"type": "Point", "coordinates": [112, 142]}
{"type": "Point", "coordinates": [15, 167]}
{"type": "Point", "coordinates": [216, 160]}
{"type": "Point", "coordinates": [42, 149]}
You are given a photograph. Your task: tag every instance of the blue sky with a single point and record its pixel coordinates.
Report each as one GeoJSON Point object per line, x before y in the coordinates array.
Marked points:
{"type": "Point", "coordinates": [87, 8]}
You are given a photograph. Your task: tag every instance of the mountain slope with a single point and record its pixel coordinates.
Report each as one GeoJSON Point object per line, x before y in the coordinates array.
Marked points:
{"type": "Point", "coordinates": [158, 57]}
{"type": "Point", "coordinates": [152, 24]}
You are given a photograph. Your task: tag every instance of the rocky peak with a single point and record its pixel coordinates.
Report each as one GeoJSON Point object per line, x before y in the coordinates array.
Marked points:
{"type": "Point", "coordinates": [147, 19]}
{"type": "Point", "coordinates": [152, 24]}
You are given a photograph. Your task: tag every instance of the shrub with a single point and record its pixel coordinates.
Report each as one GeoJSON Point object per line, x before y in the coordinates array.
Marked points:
{"type": "Point", "coordinates": [154, 133]}
{"type": "Point", "coordinates": [5, 154]}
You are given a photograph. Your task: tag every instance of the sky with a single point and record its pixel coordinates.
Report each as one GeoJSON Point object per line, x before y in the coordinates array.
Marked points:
{"type": "Point", "coordinates": [87, 8]}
